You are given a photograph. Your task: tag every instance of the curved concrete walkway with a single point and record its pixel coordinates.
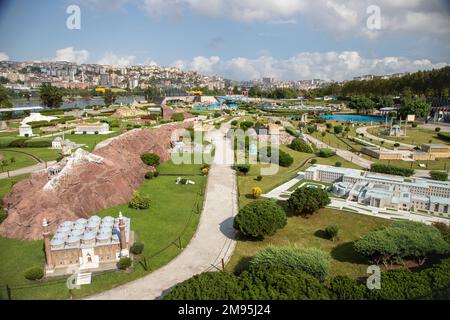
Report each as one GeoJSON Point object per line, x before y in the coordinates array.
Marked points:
{"type": "Point", "coordinates": [364, 131]}
{"type": "Point", "coordinates": [213, 241]}
{"type": "Point", "coordinates": [26, 170]}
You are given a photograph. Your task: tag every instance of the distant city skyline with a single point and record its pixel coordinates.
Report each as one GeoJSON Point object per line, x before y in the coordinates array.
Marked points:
{"type": "Point", "coordinates": [239, 40]}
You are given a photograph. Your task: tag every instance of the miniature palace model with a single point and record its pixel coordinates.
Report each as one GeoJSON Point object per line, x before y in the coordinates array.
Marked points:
{"type": "Point", "coordinates": [385, 191]}
{"type": "Point", "coordinates": [86, 244]}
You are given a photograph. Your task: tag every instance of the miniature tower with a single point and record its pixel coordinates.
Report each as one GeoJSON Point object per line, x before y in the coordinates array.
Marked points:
{"type": "Point", "coordinates": [48, 253]}
{"type": "Point", "coordinates": [123, 239]}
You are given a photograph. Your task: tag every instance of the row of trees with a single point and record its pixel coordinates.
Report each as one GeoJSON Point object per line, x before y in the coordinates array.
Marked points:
{"type": "Point", "coordinates": [427, 83]}
{"type": "Point", "coordinates": [263, 282]}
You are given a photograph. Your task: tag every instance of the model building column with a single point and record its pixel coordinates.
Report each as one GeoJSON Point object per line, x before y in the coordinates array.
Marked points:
{"type": "Point", "coordinates": [48, 251]}
{"type": "Point", "coordinates": [123, 238]}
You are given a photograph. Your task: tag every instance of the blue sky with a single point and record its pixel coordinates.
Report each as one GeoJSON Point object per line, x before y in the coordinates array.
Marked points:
{"type": "Point", "coordinates": [245, 39]}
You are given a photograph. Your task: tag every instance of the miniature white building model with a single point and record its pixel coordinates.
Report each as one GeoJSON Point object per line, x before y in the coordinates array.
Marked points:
{"type": "Point", "coordinates": [385, 191]}
{"type": "Point", "coordinates": [35, 117]}
{"type": "Point", "coordinates": [25, 130]}
{"type": "Point", "coordinates": [92, 128]}
{"type": "Point", "coordinates": [65, 145]}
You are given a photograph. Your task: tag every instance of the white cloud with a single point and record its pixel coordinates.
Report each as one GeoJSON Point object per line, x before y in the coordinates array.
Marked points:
{"type": "Point", "coordinates": [70, 55]}
{"type": "Point", "coordinates": [343, 17]}
{"type": "Point", "coordinates": [3, 56]}
{"type": "Point", "coordinates": [306, 65]}
{"type": "Point", "coordinates": [114, 60]}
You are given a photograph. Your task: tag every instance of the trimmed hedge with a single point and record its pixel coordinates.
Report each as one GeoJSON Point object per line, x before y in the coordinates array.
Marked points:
{"type": "Point", "coordinates": [207, 286]}
{"type": "Point", "coordinates": [314, 262]}
{"type": "Point", "coordinates": [383, 168]}
{"type": "Point", "coordinates": [34, 273]}
{"type": "Point", "coordinates": [300, 146]}
{"type": "Point", "coordinates": [326, 153]}
{"type": "Point", "coordinates": [444, 135]}
{"type": "Point", "coordinates": [439, 175]}
{"type": "Point", "coordinates": [280, 283]}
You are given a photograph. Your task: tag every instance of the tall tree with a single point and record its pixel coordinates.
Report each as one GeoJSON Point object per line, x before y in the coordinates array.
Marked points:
{"type": "Point", "coordinates": [109, 97]}
{"type": "Point", "coordinates": [50, 96]}
{"type": "Point", "coordinates": [5, 100]}
{"type": "Point", "coordinates": [416, 106]}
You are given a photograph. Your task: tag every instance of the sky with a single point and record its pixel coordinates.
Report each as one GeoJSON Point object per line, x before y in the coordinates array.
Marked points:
{"type": "Point", "coordinates": [236, 39]}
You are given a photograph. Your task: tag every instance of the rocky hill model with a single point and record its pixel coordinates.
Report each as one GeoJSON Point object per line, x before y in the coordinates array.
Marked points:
{"type": "Point", "coordinates": [84, 183]}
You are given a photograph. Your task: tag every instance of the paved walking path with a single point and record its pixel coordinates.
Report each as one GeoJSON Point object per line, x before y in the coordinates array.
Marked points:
{"type": "Point", "coordinates": [278, 191]}
{"type": "Point", "coordinates": [354, 158]}
{"type": "Point", "coordinates": [364, 131]}
{"type": "Point", "coordinates": [26, 170]}
{"type": "Point", "coordinates": [345, 154]}
{"type": "Point", "coordinates": [213, 241]}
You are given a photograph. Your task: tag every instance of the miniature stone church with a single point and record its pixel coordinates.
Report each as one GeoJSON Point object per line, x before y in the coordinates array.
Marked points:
{"type": "Point", "coordinates": [86, 245]}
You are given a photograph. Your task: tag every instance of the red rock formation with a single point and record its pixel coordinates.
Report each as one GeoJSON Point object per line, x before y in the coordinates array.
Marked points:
{"type": "Point", "coordinates": [87, 187]}
{"type": "Point", "coordinates": [167, 113]}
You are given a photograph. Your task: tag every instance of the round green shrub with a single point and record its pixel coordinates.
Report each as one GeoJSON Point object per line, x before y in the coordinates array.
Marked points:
{"type": "Point", "coordinates": [260, 218]}
{"type": "Point", "coordinates": [149, 175]}
{"type": "Point", "coordinates": [338, 164]}
{"type": "Point", "coordinates": [313, 161]}
{"type": "Point", "coordinates": [34, 273]}
{"type": "Point", "coordinates": [306, 201]}
{"type": "Point", "coordinates": [300, 146]}
{"type": "Point", "coordinates": [124, 263]}
{"type": "Point", "coordinates": [331, 232]}
{"type": "Point", "coordinates": [139, 202]}
{"type": "Point", "coordinates": [137, 248]}
{"type": "Point", "coordinates": [150, 159]}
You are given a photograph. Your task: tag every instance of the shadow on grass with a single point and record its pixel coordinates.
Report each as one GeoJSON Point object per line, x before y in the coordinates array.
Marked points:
{"type": "Point", "coordinates": [345, 252]}
{"type": "Point", "coordinates": [242, 265]}
{"type": "Point", "coordinates": [321, 234]}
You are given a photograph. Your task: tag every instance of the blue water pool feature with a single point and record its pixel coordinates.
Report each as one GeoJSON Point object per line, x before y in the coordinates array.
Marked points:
{"type": "Point", "coordinates": [353, 118]}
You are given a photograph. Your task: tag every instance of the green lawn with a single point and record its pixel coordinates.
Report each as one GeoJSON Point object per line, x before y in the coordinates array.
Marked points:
{"type": "Point", "coordinates": [174, 210]}
{"type": "Point", "coordinates": [90, 140]}
{"type": "Point", "coordinates": [246, 183]}
{"type": "Point", "coordinates": [308, 232]}
{"type": "Point", "coordinates": [414, 136]}
{"type": "Point", "coordinates": [21, 160]}
{"type": "Point", "coordinates": [46, 154]}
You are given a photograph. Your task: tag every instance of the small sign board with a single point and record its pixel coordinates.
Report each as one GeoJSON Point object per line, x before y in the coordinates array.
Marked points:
{"type": "Point", "coordinates": [411, 118]}
{"type": "Point", "coordinates": [84, 278]}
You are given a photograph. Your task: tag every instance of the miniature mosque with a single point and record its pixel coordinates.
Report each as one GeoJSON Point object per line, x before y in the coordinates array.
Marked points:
{"type": "Point", "coordinates": [86, 244]}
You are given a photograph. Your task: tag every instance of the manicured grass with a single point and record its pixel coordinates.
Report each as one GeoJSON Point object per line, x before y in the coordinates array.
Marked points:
{"type": "Point", "coordinates": [6, 184]}
{"type": "Point", "coordinates": [308, 233]}
{"type": "Point", "coordinates": [89, 140]}
{"type": "Point", "coordinates": [46, 154]}
{"type": "Point", "coordinates": [415, 136]}
{"type": "Point", "coordinates": [174, 210]}
{"type": "Point", "coordinates": [246, 183]}
{"type": "Point", "coordinates": [21, 160]}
